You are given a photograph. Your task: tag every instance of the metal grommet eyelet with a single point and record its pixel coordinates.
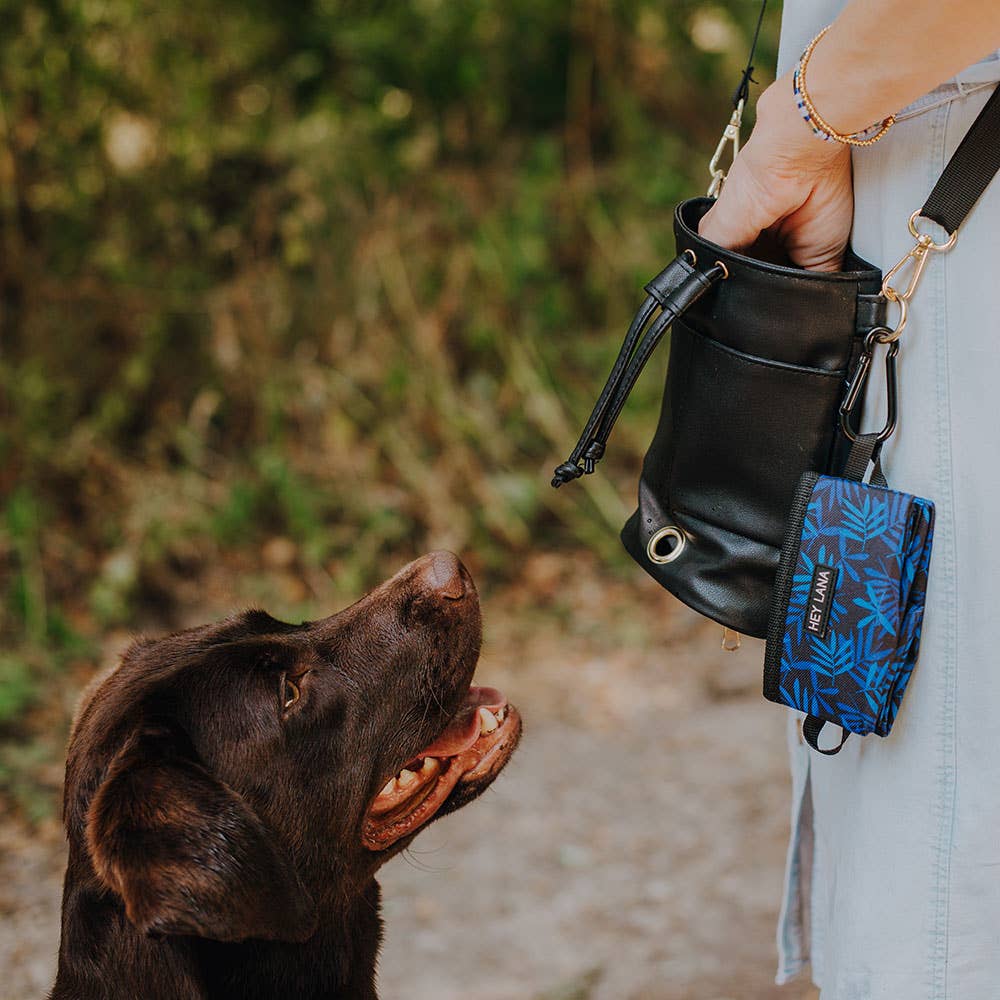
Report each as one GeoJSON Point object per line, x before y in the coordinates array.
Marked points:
{"type": "Point", "coordinates": [725, 270]}
{"type": "Point", "coordinates": [652, 546]}
{"type": "Point", "coordinates": [691, 254]}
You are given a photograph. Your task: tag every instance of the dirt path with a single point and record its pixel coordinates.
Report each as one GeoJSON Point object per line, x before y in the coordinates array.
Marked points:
{"type": "Point", "coordinates": [633, 850]}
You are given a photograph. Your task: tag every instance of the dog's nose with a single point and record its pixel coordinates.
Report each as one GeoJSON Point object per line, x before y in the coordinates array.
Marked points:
{"type": "Point", "coordinates": [443, 574]}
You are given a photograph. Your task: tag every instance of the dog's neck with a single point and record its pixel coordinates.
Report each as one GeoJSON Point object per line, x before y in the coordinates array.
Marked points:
{"type": "Point", "coordinates": [336, 963]}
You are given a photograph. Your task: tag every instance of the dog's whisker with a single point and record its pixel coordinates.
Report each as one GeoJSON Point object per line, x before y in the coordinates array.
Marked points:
{"type": "Point", "coordinates": [429, 850]}
{"type": "Point", "coordinates": [413, 862]}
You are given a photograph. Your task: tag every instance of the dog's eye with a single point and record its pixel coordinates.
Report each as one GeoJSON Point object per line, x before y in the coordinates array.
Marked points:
{"type": "Point", "coordinates": [290, 692]}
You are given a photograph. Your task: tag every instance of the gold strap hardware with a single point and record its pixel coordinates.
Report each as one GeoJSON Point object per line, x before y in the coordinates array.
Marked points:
{"type": "Point", "coordinates": [917, 256]}
{"type": "Point", "coordinates": [731, 134]}
{"type": "Point", "coordinates": [731, 640]}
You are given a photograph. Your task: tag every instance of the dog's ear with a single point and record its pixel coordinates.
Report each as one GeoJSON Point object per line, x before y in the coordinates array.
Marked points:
{"type": "Point", "coordinates": [187, 854]}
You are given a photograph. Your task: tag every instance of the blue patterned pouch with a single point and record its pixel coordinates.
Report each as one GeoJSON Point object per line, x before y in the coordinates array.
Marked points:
{"type": "Point", "coordinates": [848, 604]}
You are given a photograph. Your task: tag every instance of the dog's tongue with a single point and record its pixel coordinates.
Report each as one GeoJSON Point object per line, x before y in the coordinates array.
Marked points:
{"type": "Point", "coordinates": [463, 730]}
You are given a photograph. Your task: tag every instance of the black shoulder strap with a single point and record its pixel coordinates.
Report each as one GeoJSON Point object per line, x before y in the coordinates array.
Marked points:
{"type": "Point", "coordinates": [969, 171]}
{"type": "Point", "coordinates": [966, 176]}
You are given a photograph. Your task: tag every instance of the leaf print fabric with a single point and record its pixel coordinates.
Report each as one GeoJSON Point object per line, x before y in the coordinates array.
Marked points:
{"type": "Point", "coordinates": [849, 665]}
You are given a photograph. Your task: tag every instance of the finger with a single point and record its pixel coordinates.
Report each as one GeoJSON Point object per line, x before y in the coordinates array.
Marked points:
{"type": "Point", "coordinates": [831, 262]}
{"type": "Point", "coordinates": [816, 235]}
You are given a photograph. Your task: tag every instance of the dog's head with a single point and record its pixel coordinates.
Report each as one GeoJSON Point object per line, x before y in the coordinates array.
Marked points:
{"type": "Point", "coordinates": [238, 779]}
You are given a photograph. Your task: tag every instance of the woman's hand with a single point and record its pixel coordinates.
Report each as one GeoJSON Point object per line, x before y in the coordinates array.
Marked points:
{"type": "Point", "coordinates": [788, 183]}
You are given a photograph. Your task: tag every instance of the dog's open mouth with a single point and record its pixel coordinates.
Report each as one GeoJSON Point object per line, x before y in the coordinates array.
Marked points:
{"type": "Point", "coordinates": [472, 751]}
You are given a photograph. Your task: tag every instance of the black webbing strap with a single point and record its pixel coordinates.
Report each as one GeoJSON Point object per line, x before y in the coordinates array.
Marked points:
{"type": "Point", "coordinates": [966, 176]}
{"type": "Point", "coordinates": [865, 451]}
{"type": "Point", "coordinates": [969, 171]}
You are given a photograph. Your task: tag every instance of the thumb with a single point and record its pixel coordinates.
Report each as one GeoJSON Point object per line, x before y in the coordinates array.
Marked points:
{"type": "Point", "coordinates": [737, 219]}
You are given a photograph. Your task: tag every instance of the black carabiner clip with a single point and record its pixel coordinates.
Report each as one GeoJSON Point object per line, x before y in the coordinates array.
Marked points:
{"type": "Point", "coordinates": [855, 388]}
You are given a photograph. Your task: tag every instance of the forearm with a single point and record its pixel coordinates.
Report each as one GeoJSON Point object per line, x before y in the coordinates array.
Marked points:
{"type": "Point", "coordinates": [880, 55]}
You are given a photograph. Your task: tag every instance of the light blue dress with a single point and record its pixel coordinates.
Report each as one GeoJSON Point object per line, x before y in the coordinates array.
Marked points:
{"type": "Point", "coordinates": [893, 882]}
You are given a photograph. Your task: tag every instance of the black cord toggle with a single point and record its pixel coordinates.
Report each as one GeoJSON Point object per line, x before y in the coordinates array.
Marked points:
{"type": "Point", "coordinates": [593, 454]}
{"type": "Point", "coordinates": [566, 473]}
{"type": "Point", "coordinates": [742, 92]}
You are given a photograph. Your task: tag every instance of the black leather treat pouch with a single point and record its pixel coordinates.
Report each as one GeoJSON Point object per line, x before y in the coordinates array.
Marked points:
{"type": "Point", "coordinates": [765, 383]}
{"type": "Point", "coordinates": [759, 359]}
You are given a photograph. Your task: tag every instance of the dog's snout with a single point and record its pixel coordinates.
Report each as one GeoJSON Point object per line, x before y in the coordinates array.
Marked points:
{"type": "Point", "coordinates": [444, 575]}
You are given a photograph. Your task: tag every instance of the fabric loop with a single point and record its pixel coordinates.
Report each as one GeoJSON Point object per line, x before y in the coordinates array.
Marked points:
{"type": "Point", "coordinates": [811, 728]}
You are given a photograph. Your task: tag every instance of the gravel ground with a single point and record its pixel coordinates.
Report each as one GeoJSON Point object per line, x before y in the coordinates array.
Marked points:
{"type": "Point", "coordinates": [633, 850]}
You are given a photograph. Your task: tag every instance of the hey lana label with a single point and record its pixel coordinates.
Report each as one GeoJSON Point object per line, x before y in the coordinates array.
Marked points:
{"type": "Point", "coordinates": [817, 618]}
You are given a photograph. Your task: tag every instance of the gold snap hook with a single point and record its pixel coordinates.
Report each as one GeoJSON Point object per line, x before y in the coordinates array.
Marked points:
{"type": "Point", "coordinates": [730, 136]}
{"type": "Point", "coordinates": [918, 256]}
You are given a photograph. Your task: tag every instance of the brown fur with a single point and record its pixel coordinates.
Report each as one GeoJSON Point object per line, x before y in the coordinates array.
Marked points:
{"type": "Point", "coordinates": [214, 836]}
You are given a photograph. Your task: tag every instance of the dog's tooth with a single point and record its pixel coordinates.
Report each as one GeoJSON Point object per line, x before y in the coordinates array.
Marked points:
{"type": "Point", "coordinates": [430, 764]}
{"type": "Point", "coordinates": [501, 714]}
{"type": "Point", "coordinates": [405, 778]}
{"type": "Point", "coordinates": [389, 788]}
{"type": "Point", "coordinates": [487, 721]}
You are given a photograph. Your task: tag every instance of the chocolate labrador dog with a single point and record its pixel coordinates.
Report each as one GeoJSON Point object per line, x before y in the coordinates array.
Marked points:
{"type": "Point", "coordinates": [232, 790]}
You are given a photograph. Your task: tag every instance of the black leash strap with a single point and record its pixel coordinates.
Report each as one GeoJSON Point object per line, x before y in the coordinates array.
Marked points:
{"type": "Point", "coordinates": [969, 171]}
{"type": "Point", "coordinates": [742, 92]}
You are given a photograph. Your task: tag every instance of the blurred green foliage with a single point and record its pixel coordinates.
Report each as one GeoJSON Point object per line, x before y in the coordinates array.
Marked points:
{"type": "Point", "coordinates": [342, 274]}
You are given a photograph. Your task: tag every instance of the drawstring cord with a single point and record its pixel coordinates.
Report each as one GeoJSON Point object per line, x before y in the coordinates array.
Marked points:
{"type": "Point", "coordinates": [674, 290]}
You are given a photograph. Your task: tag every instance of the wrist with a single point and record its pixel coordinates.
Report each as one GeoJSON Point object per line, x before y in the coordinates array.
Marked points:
{"type": "Point", "coordinates": [848, 108]}
{"type": "Point", "coordinates": [780, 123]}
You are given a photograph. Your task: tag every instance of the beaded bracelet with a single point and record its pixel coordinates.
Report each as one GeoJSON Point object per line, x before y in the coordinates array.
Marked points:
{"type": "Point", "coordinates": [816, 122]}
